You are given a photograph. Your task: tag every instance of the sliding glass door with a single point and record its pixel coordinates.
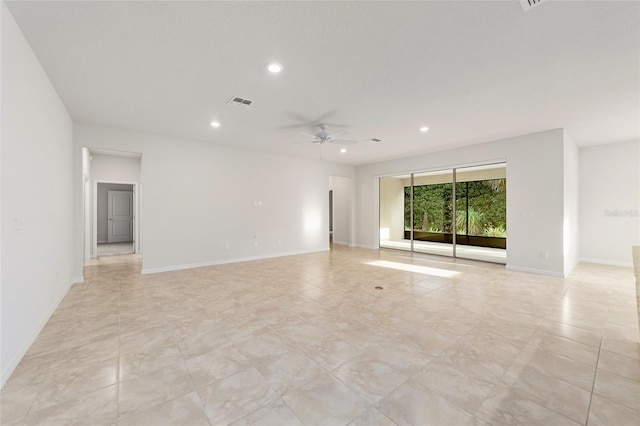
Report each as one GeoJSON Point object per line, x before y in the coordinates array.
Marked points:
{"type": "Point", "coordinates": [453, 212]}
{"type": "Point", "coordinates": [481, 219]}
{"type": "Point", "coordinates": [433, 212]}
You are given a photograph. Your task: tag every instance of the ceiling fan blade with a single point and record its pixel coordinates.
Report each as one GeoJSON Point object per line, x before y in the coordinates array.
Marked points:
{"type": "Point", "coordinates": [336, 125]}
{"type": "Point", "coordinates": [342, 141]}
{"type": "Point", "coordinates": [302, 121]}
{"type": "Point", "coordinates": [309, 135]}
{"type": "Point", "coordinates": [335, 133]}
{"type": "Point", "coordinates": [326, 115]}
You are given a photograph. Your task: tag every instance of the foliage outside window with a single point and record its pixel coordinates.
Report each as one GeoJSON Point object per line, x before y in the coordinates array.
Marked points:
{"type": "Point", "coordinates": [481, 208]}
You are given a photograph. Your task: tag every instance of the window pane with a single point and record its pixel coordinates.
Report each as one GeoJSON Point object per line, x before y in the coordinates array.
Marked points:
{"type": "Point", "coordinates": [433, 212]}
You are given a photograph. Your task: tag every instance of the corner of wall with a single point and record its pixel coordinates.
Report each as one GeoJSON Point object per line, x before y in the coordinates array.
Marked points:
{"type": "Point", "coordinates": [571, 204]}
{"type": "Point", "coordinates": [9, 368]}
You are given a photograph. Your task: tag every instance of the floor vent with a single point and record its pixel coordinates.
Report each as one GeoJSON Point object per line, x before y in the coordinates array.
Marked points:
{"type": "Point", "coordinates": [241, 102]}
{"type": "Point", "coordinates": [528, 4]}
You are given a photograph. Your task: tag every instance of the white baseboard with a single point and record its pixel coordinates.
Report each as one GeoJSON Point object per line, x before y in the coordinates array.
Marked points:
{"type": "Point", "coordinates": [16, 360]}
{"type": "Point", "coordinates": [606, 262]}
{"type": "Point", "coordinates": [146, 271]}
{"type": "Point", "coordinates": [77, 280]}
{"type": "Point", "coordinates": [341, 243]}
{"type": "Point", "coordinates": [534, 271]}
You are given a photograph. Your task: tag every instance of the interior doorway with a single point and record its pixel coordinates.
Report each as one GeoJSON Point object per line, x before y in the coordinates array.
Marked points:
{"type": "Point", "coordinates": [119, 215]}
{"type": "Point", "coordinates": [111, 202]}
{"type": "Point", "coordinates": [114, 218]}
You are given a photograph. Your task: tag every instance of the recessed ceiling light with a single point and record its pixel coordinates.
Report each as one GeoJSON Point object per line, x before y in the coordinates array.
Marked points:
{"type": "Point", "coordinates": [215, 124]}
{"type": "Point", "coordinates": [343, 150]}
{"type": "Point", "coordinates": [274, 68]}
{"type": "Point", "coordinates": [424, 129]}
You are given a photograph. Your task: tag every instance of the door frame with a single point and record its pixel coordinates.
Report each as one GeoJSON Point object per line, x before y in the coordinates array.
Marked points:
{"type": "Point", "coordinates": [331, 214]}
{"type": "Point", "coordinates": [94, 215]}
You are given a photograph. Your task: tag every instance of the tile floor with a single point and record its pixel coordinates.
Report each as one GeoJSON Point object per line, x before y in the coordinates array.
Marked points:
{"type": "Point", "coordinates": [308, 340]}
{"type": "Point", "coordinates": [110, 249]}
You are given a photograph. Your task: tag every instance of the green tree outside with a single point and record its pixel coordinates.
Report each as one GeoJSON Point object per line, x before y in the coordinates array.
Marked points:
{"type": "Point", "coordinates": [485, 213]}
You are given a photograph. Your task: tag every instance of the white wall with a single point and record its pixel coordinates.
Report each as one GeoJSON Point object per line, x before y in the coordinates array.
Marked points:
{"type": "Point", "coordinates": [571, 227]}
{"type": "Point", "coordinates": [342, 208]}
{"type": "Point", "coordinates": [36, 192]}
{"type": "Point", "coordinates": [392, 212]}
{"type": "Point", "coordinates": [535, 200]}
{"type": "Point", "coordinates": [2, 106]}
{"type": "Point", "coordinates": [199, 199]}
{"type": "Point", "coordinates": [609, 202]}
{"type": "Point", "coordinates": [115, 168]}
{"type": "Point", "coordinates": [102, 211]}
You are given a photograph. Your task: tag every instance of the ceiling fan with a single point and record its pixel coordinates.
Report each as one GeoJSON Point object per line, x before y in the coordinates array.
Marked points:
{"type": "Point", "coordinates": [303, 121]}
{"type": "Point", "coordinates": [324, 136]}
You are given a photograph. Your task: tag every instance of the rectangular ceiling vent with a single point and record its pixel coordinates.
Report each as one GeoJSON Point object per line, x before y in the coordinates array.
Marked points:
{"type": "Point", "coordinates": [528, 4]}
{"type": "Point", "coordinates": [241, 102]}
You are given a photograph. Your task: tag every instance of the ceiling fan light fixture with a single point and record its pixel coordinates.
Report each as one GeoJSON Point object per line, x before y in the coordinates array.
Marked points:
{"type": "Point", "coordinates": [274, 67]}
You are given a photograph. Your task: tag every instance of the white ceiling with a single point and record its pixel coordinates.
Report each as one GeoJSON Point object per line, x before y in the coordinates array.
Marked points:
{"type": "Point", "coordinates": [471, 71]}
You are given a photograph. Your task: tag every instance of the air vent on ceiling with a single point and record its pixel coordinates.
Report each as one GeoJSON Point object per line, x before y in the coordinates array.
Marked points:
{"type": "Point", "coordinates": [245, 103]}
{"type": "Point", "coordinates": [528, 4]}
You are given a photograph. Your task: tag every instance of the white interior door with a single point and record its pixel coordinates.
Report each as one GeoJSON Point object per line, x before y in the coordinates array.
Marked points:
{"type": "Point", "coordinates": [120, 226]}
